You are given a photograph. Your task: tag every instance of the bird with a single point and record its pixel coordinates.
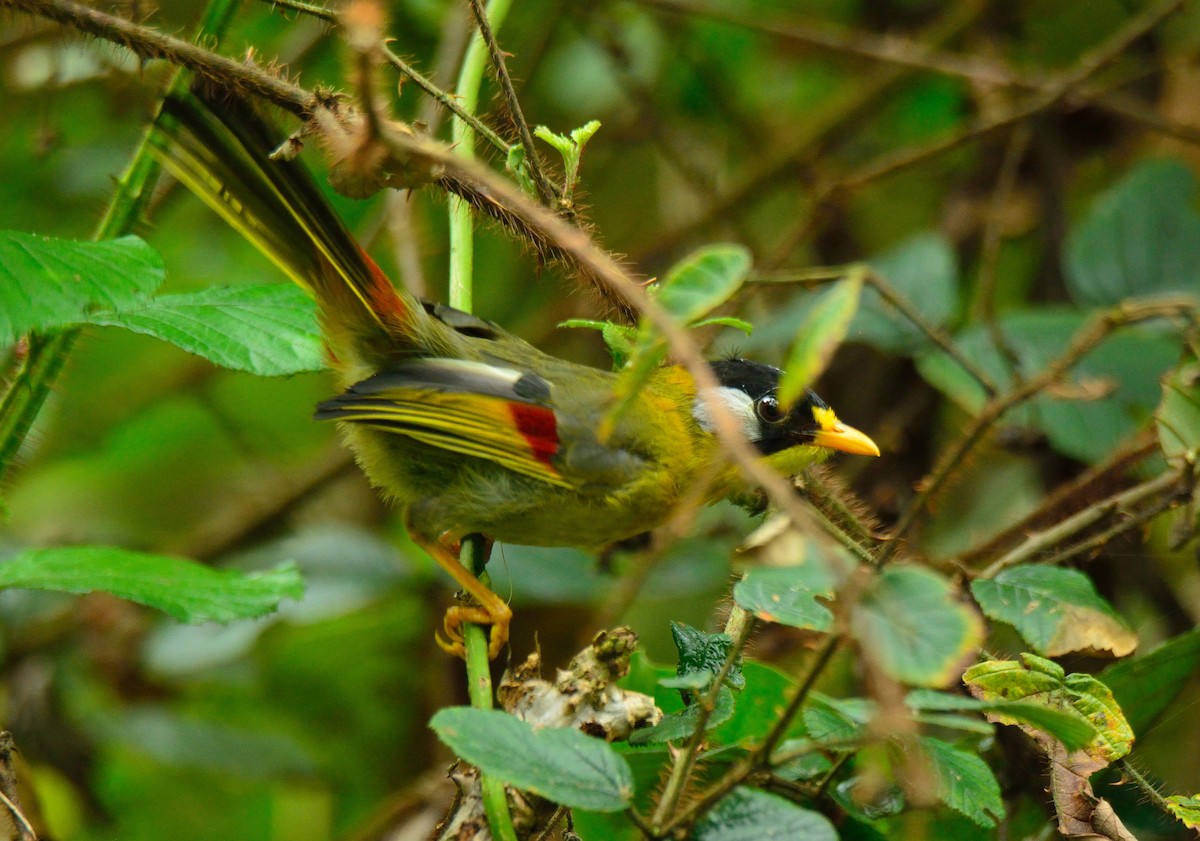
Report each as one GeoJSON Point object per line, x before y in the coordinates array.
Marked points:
{"type": "Point", "coordinates": [471, 429]}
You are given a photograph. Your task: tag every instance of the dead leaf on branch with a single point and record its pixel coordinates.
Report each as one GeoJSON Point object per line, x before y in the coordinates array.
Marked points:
{"type": "Point", "coordinates": [1034, 679]}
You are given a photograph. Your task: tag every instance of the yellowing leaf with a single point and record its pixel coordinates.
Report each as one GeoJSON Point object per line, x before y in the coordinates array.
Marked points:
{"type": "Point", "coordinates": [1057, 611]}
{"type": "Point", "coordinates": [1186, 808]}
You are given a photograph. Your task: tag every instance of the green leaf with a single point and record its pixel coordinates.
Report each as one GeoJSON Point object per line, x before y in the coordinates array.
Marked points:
{"type": "Point", "coordinates": [840, 720]}
{"type": "Point", "coordinates": [1145, 685]}
{"type": "Point", "coordinates": [186, 590]}
{"type": "Point", "coordinates": [749, 815]}
{"type": "Point", "coordinates": [818, 337]}
{"type": "Point", "coordinates": [910, 621]}
{"type": "Point", "coordinates": [1108, 395]}
{"type": "Point", "coordinates": [1186, 808]}
{"type": "Point", "coordinates": [620, 340]}
{"type": "Point", "coordinates": [765, 694]}
{"type": "Point", "coordinates": [922, 269]}
{"type": "Point", "coordinates": [810, 766]}
{"type": "Point", "coordinates": [268, 330]}
{"type": "Point", "coordinates": [675, 727]}
{"type": "Point", "coordinates": [46, 284]}
{"type": "Point", "coordinates": [1057, 611]}
{"type": "Point", "coordinates": [788, 595]}
{"type": "Point", "coordinates": [560, 764]}
{"type": "Point", "coordinates": [702, 281]}
{"type": "Point", "coordinates": [1142, 237]}
{"type": "Point", "coordinates": [1178, 415]}
{"type": "Point", "coordinates": [701, 652]}
{"type": "Point", "coordinates": [1043, 682]}
{"type": "Point", "coordinates": [965, 783]}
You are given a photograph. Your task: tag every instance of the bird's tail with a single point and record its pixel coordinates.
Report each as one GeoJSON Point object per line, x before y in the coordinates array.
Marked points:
{"type": "Point", "coordinates": [221, 151]}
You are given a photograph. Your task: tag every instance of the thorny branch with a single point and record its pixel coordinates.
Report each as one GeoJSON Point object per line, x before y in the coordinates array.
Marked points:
{"type": "Point", "coordinates": [532, 160]}
{"type": "Point", "coordinates": [1088, 337]}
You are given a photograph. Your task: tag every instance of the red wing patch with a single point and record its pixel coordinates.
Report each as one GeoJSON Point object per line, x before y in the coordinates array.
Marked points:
{"type": "Point", "coordinates": [539, 428]}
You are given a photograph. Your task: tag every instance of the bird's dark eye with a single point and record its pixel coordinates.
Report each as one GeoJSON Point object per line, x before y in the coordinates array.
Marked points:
{"type": "Point", "coordinates": [768, 409]}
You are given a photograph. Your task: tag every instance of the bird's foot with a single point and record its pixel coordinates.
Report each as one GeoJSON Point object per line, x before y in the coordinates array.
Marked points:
{"type": "Point", "coordinates": [498, 617]}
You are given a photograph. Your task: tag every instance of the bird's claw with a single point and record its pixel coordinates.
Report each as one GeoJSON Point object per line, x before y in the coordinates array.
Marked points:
{"type": "Point", "coordinates": [456, 616]}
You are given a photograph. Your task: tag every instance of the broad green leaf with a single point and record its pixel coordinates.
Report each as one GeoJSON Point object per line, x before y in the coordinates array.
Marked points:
{"type": "Point", "coordinates": [1057, 611]}
{"type": "Point", "coordinates": [560, 764]}
{"type": "Point", "coordinates": [1037, 680]}
{"type": "Point", "coordinates": [818, 337]}
{"type": "Point", "coordinates": [1142, 237]}
{"type": "Point", "coordinates": [702, 281]}
{"type": "Point", "coordinates": [925, 272]}
{"type": "Point", "coordinates": [268, 330]}
{"type": "Point", "coordinates": [788, 595]}
{"type": "Point", "coordinates": [1106, 397]}
{"type": "Point", "coordinates": [910, 621]}
{"type": "Point", "coordinates": [1178, 415]}
{"type": "Point", "coordinates": [677, 727]}
{"type": "Point", "coordinates": [1186, 808]}
{"type": "Point", "coordinates": [1145, 685]}
{"type": "Point", "coordinates": [965, 783]}
{"type": "Point", "coordinates": [46, 284]}
{"type": "Point", "coordinates": [703, 652]}
{"type": "Point", "coordinates": [188, 591]}
{"type": "Point", "coordinates": [747, 814]}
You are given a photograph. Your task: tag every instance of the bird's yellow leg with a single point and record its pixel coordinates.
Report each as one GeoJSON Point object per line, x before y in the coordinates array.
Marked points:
{"type": "Point", "coordinates": [491, 609]}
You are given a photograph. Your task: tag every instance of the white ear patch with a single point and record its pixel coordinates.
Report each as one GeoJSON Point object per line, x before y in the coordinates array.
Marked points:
{"type": "Point", "coordinates": [736, 401]}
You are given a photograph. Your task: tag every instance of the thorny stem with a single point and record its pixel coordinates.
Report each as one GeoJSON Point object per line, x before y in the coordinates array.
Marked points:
{"type": "Point", "coordinates": [1147, 788]}
{"type": "Point", "coordinates": [1054, 506]}
{"type": "Point", "coordinates": [445, 99]}
{"type": "Point", "coordinates": [1084, 341]}
{"type": "Point", "coordinates": [1091, 515]}
{"type": "Point", "coordinates": [245, 78]}
{"type": "Point", "coordinates": [760, 759]}
{"type": "Point", "coordinates": [545, 190]}
{"type": "Point", "coordinates": [685, 761]}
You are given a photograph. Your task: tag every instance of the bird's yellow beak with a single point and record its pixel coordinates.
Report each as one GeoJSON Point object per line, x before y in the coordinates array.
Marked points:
{"type": "Point", "coordinates": [838, 436]}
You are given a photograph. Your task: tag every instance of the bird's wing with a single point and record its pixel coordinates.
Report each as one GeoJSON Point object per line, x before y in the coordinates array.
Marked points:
{"type": "Point", "coordinates": [490, 412]}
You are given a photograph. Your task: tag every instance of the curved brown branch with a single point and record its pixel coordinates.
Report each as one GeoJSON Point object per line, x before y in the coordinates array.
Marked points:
{"type": "Point", "coordinates": [1084, 341]}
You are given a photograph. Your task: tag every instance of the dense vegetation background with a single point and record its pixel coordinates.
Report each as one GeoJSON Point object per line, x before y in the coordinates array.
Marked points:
{"type": "Point", "coordinates": [1017, 173]}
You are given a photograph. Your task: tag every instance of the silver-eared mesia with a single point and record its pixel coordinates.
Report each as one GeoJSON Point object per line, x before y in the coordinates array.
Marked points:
{"type": "Point", "coordinates": [472, 429]}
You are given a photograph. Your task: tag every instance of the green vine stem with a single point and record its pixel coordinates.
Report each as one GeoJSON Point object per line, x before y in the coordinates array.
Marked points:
{"type": "Point", "coordinates": [46, 355]}
{"type": "Point", "coordinates": [462, 267]}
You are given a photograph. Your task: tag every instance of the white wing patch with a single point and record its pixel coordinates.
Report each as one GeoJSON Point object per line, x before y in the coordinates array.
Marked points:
{"type": "Point", "coordinates": [736, 401]}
